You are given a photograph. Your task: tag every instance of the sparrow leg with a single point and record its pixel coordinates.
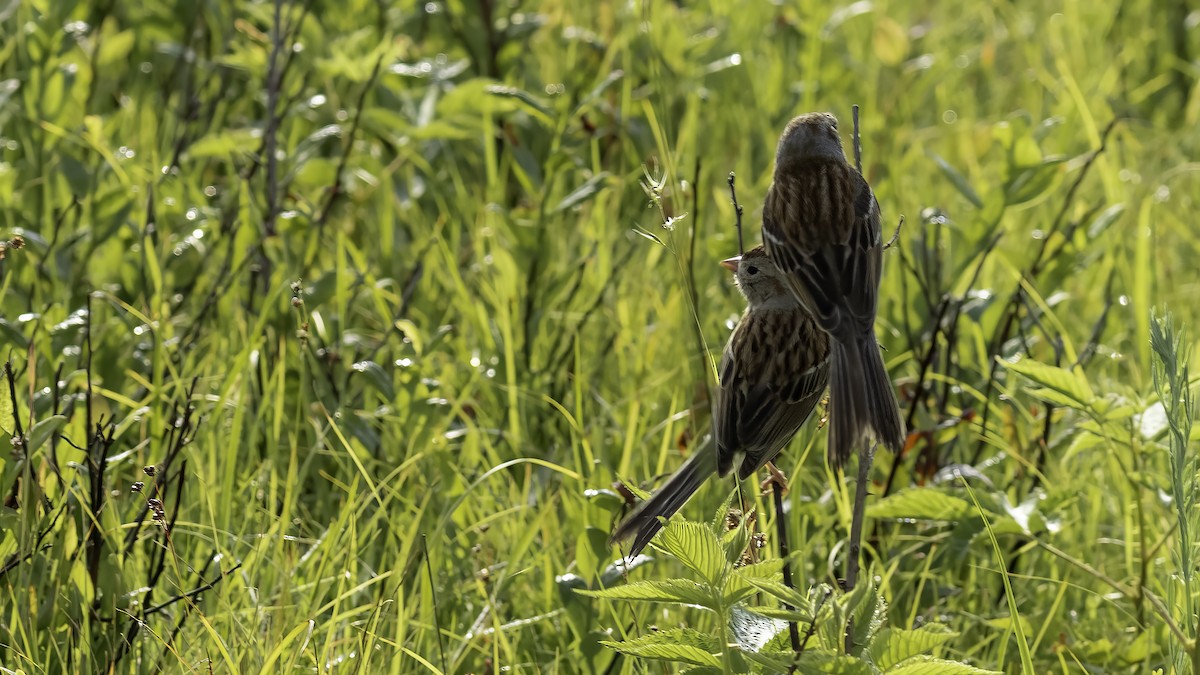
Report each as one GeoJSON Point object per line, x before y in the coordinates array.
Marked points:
{"type": "Point", "coordinates": [775, 479]}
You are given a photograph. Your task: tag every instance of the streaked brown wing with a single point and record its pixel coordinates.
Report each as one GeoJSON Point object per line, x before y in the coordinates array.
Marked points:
{"type": "Point", "coordinates": [767, 393]}
{"type": "Point", "coordinates": [836, 276]}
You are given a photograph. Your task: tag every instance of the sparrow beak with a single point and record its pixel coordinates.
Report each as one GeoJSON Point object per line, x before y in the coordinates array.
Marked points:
{"type": "Point", "coordinates": [731, 264]}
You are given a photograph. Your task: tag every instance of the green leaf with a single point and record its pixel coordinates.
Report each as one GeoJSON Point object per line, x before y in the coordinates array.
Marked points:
{"type": "Point", "coordinates": [928, 665]}
{"type": "Point", "coordinates": [1071, 384]}
{"type": "Point", "coordinates": [8, 423]}
{"type": "Point", "coordinates": [583, 193]}
{"type": "Point", "coordinates": [681, 591]}
{"type": "Point", "coordinates": [682, 645]}
{"type": "Point", "coordinates": [813, 661]}
{"type": "Point", "coordinates": [42, 431]}
{"type": "Point", "coordinates": [867, 609]}
{"type": "Point", "coordinates": [788, 596]}
{"type": "Point", "coordinates": [894, 645]}
{"type": "Point", "coordinates": [958, 180]}
{"type": "Point", "coordinates": [224, 143]}
{"type": "Point", "coordinates": [114, 48]}
{"type": "Point", "coordinates": [1031, 183]}
{"type": "Point", "coordinates": [591, 548]}
{"type": "Point", "coordinates": [921, 504]}
{"type": "Point", "coordinates": [782, 614]}
{"type": "Point", "coordinates": [890, 41]}
{"type": "Point", "coordinates": [380, 379]}
{"type": "Point", "coordinates": [1104, 220]}
{"type": "Point", "coordinates": [737, 584]}
{"type": "Point", "coordinates": [696, 546]}
{"type": "Point", "coordinates": [541, 110]}
{"type": "Point", "coordinates": [7, 89]}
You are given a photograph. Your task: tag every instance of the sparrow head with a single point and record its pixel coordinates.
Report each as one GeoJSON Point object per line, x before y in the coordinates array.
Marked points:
{"type": "Point", "coordinates": [760, 280]}
{"type": "Point", "coordinates": [807, 137]}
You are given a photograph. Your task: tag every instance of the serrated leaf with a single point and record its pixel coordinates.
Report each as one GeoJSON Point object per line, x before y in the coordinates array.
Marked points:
{"type": "Point", "coordinates": [42, 431]}
{"type": "Point", "coordinates": [1072, 384]}
{"type": "Point", "coordinates": [788, 596]}
{"type": "Point", "coordinates": [773, 661]}
{"type": "Point", "coordinates": [782, 614]}
{"type": "Point", "coordinates": [921, 504]}
{"type": "Point", "coordinates": [584, 192]}
{"type": "Point", "coordinates": [825, 661]}
{"type": "Point", "coordinates": [867, 609]}
{"type": "Point", "coordinates": [696, 546]}
{"type": "Point", "coordinates": [681, 645]}
{"type": "Point", "coordinates": [737, 585]}
{"type": "Point", "coordinates": [894, 645]}
{"type": "Point", "coordinates": [681, 591]}
{"type": "Point", "coordinates": [928, 665]}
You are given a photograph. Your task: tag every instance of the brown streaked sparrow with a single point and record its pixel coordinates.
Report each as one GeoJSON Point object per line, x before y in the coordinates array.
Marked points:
{"type": "Point", "coordinates": [821, 226]}
{"type": "Point", "coordinates": [772, 373]}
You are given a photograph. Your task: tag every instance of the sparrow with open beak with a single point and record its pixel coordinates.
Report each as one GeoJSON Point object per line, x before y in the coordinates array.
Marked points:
{"type": "Point", "coordinates": [772, 373]}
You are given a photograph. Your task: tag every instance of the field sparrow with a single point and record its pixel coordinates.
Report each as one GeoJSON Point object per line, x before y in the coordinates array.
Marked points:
{"type": "Point", "coordinates": [821, 226]}
{"type": "Point", "coordinates": [772, 373]}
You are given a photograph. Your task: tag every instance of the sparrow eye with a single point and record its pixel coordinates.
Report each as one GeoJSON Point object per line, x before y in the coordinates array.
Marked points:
{"type": "Point", "coordinates": [752, 270]}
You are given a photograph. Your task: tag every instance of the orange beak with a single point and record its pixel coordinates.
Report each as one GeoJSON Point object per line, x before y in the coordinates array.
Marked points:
{"type": "Point", "coordinates": [731, 264]}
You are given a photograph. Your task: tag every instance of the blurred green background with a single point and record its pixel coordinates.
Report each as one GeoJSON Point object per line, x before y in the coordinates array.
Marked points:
{"type": "Point", "coordinates": [380, 291]}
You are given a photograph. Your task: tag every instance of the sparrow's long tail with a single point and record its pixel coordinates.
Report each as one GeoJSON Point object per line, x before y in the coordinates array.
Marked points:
{"type": "Point", "coordinates": [861, 400]}
{"type": "Point", "coordinates": [668, 499]}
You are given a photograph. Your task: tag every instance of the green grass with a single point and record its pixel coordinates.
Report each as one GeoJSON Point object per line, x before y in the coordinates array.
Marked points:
{"type": "Point", "coordinates": [387, 372]}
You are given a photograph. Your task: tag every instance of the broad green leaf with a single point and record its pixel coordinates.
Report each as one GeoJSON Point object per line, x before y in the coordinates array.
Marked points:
{"type": "Point", "coordinates": [590, 549]}
{"type": "Point", "coordinates": [681, 645]}
{"type": "Point", "coordinates": [696, 546]}
{"type": "Point", "coordinates": [788, 596]}
{"type": "Point", "coordinates": [894, 645]}
{"type": "Point", "coordinates": [782, 614]}
{"type": "Point", "coordinates": [890, 41]}
{"type": "Point", "coordinates": [681, 591]}
{"type": "Point", "coordinates": [42, 431]}
{"type": "Point", "coordinates": [867, 609]}
{"type": "Point", "coordinates": [813, 661]}
{"type": "Point", "coordinates": [114, 48]}
{"type": "Point", "coordinates": [925, 503]}
{"type": "Point", "coordinates": [1072, 384]}
{"type": "Point", "coordinates": [737, 584]}
{"type": "Point", "coordinates": [928, 665]}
